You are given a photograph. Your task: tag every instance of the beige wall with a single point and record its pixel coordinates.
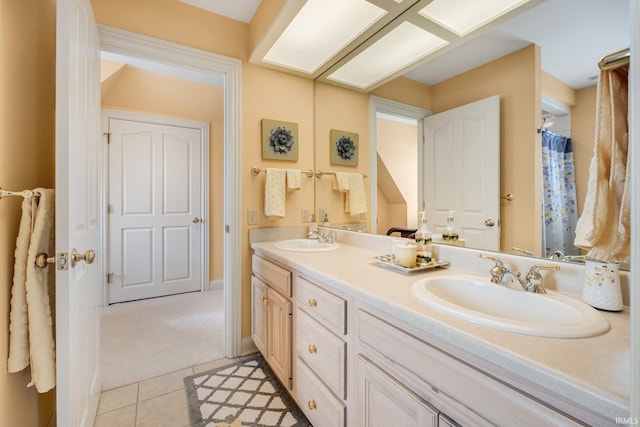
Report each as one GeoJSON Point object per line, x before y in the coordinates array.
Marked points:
{"type": "Point", "coordinates": [583, 129]}
{"type": "Point", "coordinates": [398, 148]}
{"type": "Point", "coordinates": [141, 91]}
{"type": "Point", "coordinates": [27, 99]}
{"type": "Point", "coordinates": [516, 79]}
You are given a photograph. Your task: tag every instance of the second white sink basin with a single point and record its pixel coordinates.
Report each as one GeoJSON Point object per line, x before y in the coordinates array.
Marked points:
{"type": "Point", "coordinates": [305, 245]}
{"type": "Point", "coordinates": [547, 315]}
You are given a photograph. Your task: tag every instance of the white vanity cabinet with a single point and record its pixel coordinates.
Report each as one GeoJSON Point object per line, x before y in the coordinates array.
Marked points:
{"type": "Point", "coordinates": [321, 354]}
{"type": "Point", "coordinates": [423, 383]}
{"type": "Point", "coordinates": [271, 324]}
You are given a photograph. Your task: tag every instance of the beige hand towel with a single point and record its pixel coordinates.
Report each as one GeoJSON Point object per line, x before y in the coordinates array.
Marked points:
{"type": "Point", "coordinates": [39, 280]}
{"type": "Point", "coordinates": [604, 226]}
{"type": "Point", "coordinates": [342, 182]}
{"type": "Point", "coordinates": [357, 198]}
{"type": "Point", "coordinates": [274, 193]}
{"type": "Point", "coordinates": [18, 318]}
{"type": "Point", "coordinates": [294, 179]}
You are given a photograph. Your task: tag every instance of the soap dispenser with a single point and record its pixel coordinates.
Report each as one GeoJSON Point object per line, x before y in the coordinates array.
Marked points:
{"type": "Point", "coordinates": [450, 234]}
{"type": "Point", "coordinates": [423, 241]}
{"type": "Point", "coordinates": [325, 220]}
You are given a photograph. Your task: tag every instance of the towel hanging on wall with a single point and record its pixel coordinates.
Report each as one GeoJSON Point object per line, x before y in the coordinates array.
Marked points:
{"type": "Point", "coordinates": [274, 193]}
{"type": "Point", "coordinates": [604, 226]}
{"type": "Point", "coordinates": [35, 300]}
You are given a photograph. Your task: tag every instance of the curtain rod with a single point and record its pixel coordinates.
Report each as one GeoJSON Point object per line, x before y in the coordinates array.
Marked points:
{"type": "Point", "coordinates": [615, 59]}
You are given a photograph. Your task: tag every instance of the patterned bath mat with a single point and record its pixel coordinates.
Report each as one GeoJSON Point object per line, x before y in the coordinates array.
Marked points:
{"type": "Point", "coordinates": [245, 393]}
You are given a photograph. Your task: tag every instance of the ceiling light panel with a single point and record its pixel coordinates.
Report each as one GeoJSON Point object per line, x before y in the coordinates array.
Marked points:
{"type": "Point", "coordinates": [394, 51]}
{"type": "Point", "coordinates": [320, 30]}
{"type": "Point", "coordinates": [464, 16]}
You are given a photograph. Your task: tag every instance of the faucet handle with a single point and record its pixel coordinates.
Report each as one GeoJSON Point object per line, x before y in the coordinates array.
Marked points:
{"type": "Point", "coordinates": [492, 258]}
{"type": "Point", "coordinates": [534, 279]}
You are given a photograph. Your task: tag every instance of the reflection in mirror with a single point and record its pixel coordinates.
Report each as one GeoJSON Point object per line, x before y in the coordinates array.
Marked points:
{"type": "Point", "coordinates": [527, 92]}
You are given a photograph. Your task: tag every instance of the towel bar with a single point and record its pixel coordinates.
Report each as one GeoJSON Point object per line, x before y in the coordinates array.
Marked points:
{"type": "Point", "coordinates": [256, 171]}
{"type": "Point", "coordinates": [23, 193]}
{"type": "Point", "coordinates": [320, 173]}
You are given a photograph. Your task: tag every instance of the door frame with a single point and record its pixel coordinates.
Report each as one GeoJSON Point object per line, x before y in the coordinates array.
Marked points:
{"type": "Point", "coordinates": [122, 42]}
{"type": "Point", "coordinates": [387, 106]}
{"type": "Point", "coordinates": [203, 128]}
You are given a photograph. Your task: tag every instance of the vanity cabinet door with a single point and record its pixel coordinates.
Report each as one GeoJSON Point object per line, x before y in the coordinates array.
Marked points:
{"type": "Point", "coordinates": [259, 314]}
{"type": "Point", "coordinates": [279, 336]}
{"type": "Point", "coordinates": [384, 402]}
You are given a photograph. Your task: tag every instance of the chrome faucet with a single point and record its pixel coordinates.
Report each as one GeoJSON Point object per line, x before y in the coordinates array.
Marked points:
{"type": "Point", "coordinates": [501, 275]}
{"type": "Point", "coordinates": [323, 237]}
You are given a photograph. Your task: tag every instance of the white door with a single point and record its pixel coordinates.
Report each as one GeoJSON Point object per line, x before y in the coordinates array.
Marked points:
{"type": "Point", "coordinates": [155, 210]}
{"type": "Point", "coordinates": [462, 171]}
{"type": "Point", "coordinates": [77, 213]}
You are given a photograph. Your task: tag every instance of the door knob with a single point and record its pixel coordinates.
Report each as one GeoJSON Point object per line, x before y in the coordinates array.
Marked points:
{"type": "Point", "coordinates": [489, 222]}
{"type": "Point", "coordinates": [88, 257]}
{"type": "Point", "coordinates": [196, 220]}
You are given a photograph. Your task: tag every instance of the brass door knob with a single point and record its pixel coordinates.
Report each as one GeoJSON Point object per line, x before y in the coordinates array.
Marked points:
{"type": "Point", "coordinates": [196, 220]}
{"type": "Point", "coordinates": [88, 257]}
{"type": "Point", "coordinates": [489, 222]}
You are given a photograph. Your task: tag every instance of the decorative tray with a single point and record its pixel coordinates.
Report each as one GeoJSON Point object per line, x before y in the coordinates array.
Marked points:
{"type": "Point", "coordinates": [390, 261]}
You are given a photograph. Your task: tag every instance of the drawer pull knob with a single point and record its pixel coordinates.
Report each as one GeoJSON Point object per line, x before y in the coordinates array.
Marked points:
{"type": "Point", "coordinates": [265, 300]}
{"type": "Point", "coordinates": [313, 302]}
{"type": "Point", "coordinates": [313, 349]}
{"type": "Point", "coordinates": [312, 404]}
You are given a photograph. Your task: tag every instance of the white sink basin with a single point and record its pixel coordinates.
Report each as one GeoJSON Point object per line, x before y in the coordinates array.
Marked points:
{"type": "Point", "coordinates": [305, 245]}
{"type": "Point", "coordinates": [499, 307]}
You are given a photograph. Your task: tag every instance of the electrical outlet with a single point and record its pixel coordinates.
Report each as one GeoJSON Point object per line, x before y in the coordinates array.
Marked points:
{"type": "Point", "coordinates": [321, 213]}
{"type": "Point", "coordinates": [363, 217]}
{"type": "Point", "coordinates": [251, 217]}
{"type": "Point", "coordinates": [305, 215]}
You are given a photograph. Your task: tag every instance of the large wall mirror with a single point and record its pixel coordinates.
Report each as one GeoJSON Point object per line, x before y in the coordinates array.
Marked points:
{"type": "Point", "coordinates": [533, 90]}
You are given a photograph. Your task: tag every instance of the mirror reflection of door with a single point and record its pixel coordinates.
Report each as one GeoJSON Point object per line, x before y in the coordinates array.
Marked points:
{"type": "Point", "coordinates": [462, 172]}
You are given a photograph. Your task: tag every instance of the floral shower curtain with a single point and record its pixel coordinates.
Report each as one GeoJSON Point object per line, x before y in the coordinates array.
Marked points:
{"type": "Point", "coordinates": [559, 186]}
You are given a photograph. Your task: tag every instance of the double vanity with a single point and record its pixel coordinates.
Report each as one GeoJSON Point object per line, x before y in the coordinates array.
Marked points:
{"type": "Point", "coordinates": [358, 344]}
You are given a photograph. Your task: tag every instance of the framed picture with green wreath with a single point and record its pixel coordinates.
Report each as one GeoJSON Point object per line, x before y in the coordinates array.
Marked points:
{"type": "Point", "coordinates": [344, 147]}
{"type": "Point", "coordinates": [279, 140]}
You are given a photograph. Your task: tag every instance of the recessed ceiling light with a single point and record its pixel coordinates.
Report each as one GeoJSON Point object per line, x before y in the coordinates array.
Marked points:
{"type": "Point", "coordinates": [394, 51]}
{"type": "Point", "coordinates": [320, 30]}
{"type": "Point", "coordinates": [464, 16]}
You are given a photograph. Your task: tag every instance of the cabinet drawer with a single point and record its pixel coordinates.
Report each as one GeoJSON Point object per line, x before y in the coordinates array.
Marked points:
{"type": "Point", "coordinates": [328, 309]}
{"type": "Point", "coordinates": [276, 277]}
{"type": "Point", "coordinates": [319, 405]}
{"type": "Point", "coordinates": [323, 351]}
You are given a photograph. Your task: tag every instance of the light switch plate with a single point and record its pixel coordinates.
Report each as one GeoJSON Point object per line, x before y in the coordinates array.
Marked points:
{"type": "Point", "coordinates": [251, 217]}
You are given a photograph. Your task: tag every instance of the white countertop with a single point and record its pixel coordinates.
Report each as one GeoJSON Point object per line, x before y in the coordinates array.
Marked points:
{"type": "Point", "coordinates": [591, 372]}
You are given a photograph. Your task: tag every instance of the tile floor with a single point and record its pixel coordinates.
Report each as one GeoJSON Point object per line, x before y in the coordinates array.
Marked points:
{"type": "Point", "coordinates": [156, 402]}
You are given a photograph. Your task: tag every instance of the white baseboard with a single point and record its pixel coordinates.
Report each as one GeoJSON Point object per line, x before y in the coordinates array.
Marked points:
{"type": "Point", "coordinates": [247, 346]}
{"type": "Point", "coordinates": [214, 285]}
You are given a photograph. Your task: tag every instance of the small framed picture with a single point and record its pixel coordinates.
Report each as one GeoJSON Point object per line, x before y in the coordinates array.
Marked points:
{"type": "Point", "coordinates": [344, 147]}
{"type": "Point", "coordinates": [279, 140]}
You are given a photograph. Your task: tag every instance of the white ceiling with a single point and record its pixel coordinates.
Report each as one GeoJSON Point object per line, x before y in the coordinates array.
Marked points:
{"type": "Point", "coordinates": [573, 36]}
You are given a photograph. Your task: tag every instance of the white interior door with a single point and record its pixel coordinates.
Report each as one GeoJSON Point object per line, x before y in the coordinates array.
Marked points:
{"type": "Point", "coordinates": [77, 213]}
{"type": "Point", "coordinates": [462, 171]}
{"type": "Point", "coordinates": [155, 210]}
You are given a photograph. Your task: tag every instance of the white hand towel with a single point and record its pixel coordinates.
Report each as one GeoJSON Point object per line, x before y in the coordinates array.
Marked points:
{"type": "Point", "coordinates": [18, 318]}
{"type": "Point", "coordinates": [294, 179]}
{"type": "Point", "coordinates": [274, 193]}
{"type": "Point", "coordinates": [357, 200]}
{"type": "Point", "coordinates": [41, 344]}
